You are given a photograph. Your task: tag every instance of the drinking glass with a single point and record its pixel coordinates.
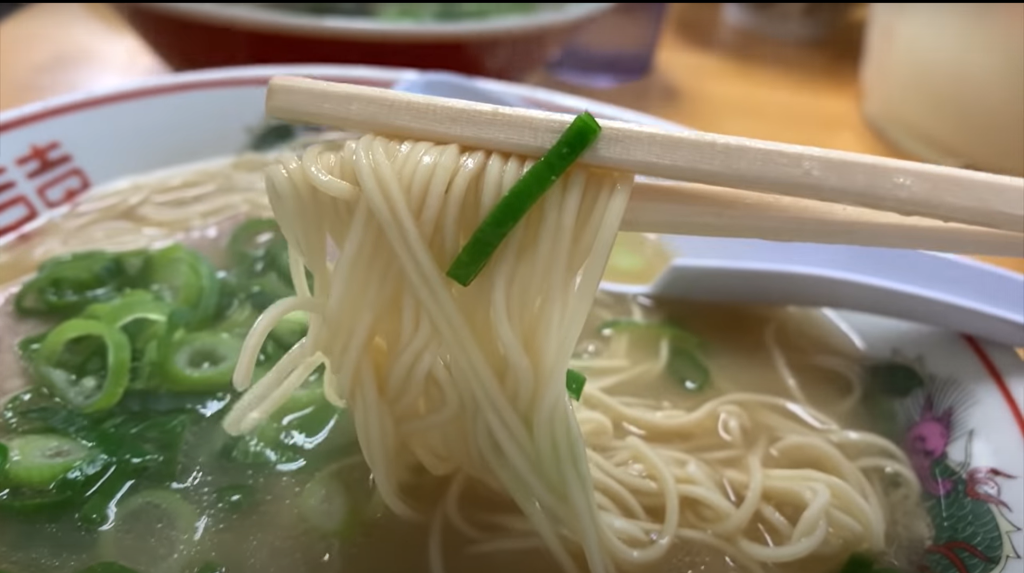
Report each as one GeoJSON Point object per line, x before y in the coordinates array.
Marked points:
{"type": "Point", "coordinates": [614, 49]}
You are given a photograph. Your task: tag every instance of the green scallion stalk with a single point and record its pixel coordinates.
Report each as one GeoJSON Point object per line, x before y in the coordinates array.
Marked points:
{"type": "Point", "coordinates": [685, 364]}
{"type": "Point", "coordinates": [523, 195]}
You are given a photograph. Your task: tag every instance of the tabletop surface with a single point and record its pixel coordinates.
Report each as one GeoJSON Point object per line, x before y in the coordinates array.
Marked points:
{"type": "Point", "coordinates": [706, 75]}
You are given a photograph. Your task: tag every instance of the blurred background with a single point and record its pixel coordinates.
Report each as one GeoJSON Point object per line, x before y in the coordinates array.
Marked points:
{"type": "Point", "coordinates": [935, 82]}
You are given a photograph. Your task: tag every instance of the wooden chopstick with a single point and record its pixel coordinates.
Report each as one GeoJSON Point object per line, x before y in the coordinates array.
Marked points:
{"type": "Point", "coordinates": [695, 209]}
{"type": "Point", "coordinates": [903, 187]}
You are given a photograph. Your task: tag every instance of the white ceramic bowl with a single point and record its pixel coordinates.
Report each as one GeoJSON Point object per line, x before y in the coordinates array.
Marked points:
{"type": "Point", "coordinates": [970, 408]}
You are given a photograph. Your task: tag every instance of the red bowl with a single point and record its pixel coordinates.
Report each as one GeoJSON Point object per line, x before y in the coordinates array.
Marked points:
{"type": "Point", "coordinates": [192, 36]}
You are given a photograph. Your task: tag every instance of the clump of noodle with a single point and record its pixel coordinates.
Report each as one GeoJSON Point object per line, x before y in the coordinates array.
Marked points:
{"type": "Point", "coordinates": [774, 480]}
{"type": "Point", "coordinates": [469, 383]}
{"type": "Point", "coordinates": [461, 381]}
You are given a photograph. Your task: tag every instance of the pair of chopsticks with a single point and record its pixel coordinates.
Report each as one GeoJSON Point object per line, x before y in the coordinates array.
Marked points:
{"type": "Point", "coordinates": [713, 184]}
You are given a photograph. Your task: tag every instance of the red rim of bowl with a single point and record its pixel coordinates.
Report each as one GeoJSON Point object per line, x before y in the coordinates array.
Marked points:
{"type": "Point", "coordinates": [282, 22]}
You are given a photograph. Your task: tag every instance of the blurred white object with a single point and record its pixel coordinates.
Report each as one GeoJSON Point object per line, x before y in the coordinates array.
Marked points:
{"type": "Point", "coordinates": [945, 82]}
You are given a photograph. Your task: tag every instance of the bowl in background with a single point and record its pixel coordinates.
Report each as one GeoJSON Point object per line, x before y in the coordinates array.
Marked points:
{"type": "Point", "coordinates": [190, 36]}
{"type": "Point", "coordinates": [971, 391]}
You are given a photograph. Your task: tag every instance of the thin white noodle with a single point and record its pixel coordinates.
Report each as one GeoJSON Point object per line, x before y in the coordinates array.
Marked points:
{"type": "Point", "coordinates": [466, 382]}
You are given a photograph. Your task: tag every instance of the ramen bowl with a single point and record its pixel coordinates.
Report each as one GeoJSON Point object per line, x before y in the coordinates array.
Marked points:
{"type": "Point", "coordinates": [202, 35]}
{"type": "Point", "coordinates": [953, 401]}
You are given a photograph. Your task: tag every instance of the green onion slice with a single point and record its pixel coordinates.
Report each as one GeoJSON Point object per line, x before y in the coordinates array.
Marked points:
{"type": "Point", "coordinates": [511, 209]}
{"type": "Point", "coordinates": [684, 363]}
{"type": "Point", "coordinates": [201, 362]}
{"type": "Point", "coordinates": [65, 285]}
{"type": "Point", "coordinates": [159, 518]}
{"type": "Point", "coordinates": [38, 460]}
{"type": "Point", "coordinates": [688, 369]}
{"type": "Point", "coordinates": [130, 306]}
{"type": "Point", "coordinates": [138, 313]}
{"type": "Point", "coordinates": [574, 382]}
{"type": "Point", "coordinates": [85, 363]}
{"type": "Point", "coordinates": [291, 328]}
{"type": "Point", "coordinates": [185, 279]}
{"type": "Point", "coordinates": [329, 506]}
{"type": "Point", "coordinates": [250, 243]}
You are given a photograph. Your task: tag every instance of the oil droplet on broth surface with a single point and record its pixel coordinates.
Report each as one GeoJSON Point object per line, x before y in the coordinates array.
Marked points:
{"type": "Point", "coordinates": [636, 258]}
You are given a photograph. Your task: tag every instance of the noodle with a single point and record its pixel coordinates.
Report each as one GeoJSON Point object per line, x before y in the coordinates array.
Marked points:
{"type": "Point", "coordinates": [502, 344]}
{"type": "Point", "coordinates": [468, 383]}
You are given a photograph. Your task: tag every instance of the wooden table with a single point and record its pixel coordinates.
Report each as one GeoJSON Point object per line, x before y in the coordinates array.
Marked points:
{"type": "Point", "coordinates": [706, 75]}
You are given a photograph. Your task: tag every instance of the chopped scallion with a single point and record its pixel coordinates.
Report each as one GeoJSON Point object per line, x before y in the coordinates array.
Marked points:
{"type": "Point", "coordinates": [85, 363]}
{"type": "Point", "coordinates": [201, 362]}
{"type": "Point", "coordinates": [160, 515]}
{"type": "Point", "coordinates": [684, 364]}
{"type": "Point", "coordinates": [37, 460]}
{"type": "Point", "coordinates": [574, 382]}
{"type": "Point", "coordinates": [511, 209]}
